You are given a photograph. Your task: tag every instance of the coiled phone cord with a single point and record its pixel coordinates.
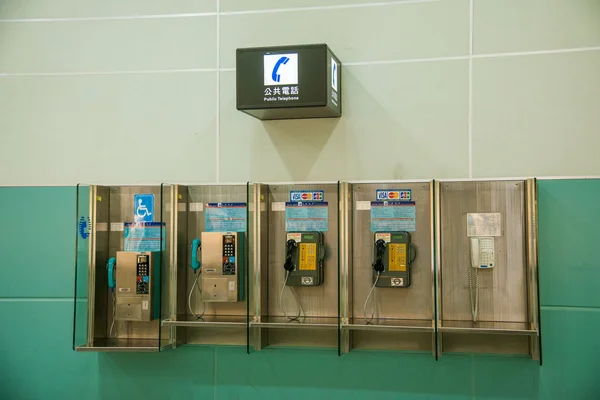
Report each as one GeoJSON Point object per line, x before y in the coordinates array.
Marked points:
{"type": "Point", "coordinates": [374, 293]}
{"type": "Point", "coordinates": [298, 303]}
{"type": "Point", "coordinates": [114, 314]}
{"type": "Point", "coordinates": [195, 285]}
{"type": "Point", "coordinates": [474, 297]}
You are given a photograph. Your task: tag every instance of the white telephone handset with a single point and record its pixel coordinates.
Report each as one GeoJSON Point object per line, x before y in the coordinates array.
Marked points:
{"type": "Point", "coordinates": [482, 252]}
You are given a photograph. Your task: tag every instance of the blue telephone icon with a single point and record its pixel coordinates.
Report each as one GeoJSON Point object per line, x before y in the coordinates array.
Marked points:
{"type": "Point", "coordinates": [111, 273]}
{"type": "Point", "coordinates": [195, 247]}
{"type": "Point", "coordinates": [283, 60]}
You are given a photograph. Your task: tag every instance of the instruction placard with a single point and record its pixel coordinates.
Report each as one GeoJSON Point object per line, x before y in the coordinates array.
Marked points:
{"type": "Point", "coordinates": [306, 217]}
{"type": "Point", "coordinates": [144, 236]}
{"type": "Point", "coordinates": [226, 217]}
{"type": "Point", "coordinates": [390, 216]}
{"type": "Point", "coordinates": [484, 224]}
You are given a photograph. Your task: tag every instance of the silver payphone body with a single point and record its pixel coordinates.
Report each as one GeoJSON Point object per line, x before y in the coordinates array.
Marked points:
{"type": "Point", "coordinates": [222, 265]}
{"type": "Point", "coordinates": [137, 286]}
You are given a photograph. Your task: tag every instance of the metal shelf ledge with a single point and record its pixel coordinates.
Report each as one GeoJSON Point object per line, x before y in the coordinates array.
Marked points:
{"type": "Point", "coordinates": [302, 322]}
{"type": "Point", "coordinates": [501, 328]}
{"type": "Point", "coordinates": [208, 321]}
{"type": "Point", "coordinates": [387, 324]}
{"type": "Point", "coordinates": [125, 345]}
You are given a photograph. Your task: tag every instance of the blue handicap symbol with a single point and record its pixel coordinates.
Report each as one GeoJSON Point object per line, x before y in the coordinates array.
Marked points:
{"type": "Point", "coordinates": [143, 208]}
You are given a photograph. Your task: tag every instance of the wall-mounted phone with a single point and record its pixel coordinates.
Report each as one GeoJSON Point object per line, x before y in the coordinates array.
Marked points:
{"type": "Point", "coordinates": [482, 257]}
{"type": "Point", "coordinates": [134, 279]}
{"type": "Point", "coordinates": [393, 256]}
{"type": "Point", "coordinates": [222, 262]}
{"type": "Point", "coordinates": [482, 252]}
{"type": "Point", "coordinates": [304, 256]}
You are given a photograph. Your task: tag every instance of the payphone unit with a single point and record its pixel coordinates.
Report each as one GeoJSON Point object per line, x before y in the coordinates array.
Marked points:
{"type": "Point", "coordinates": [134, 278]}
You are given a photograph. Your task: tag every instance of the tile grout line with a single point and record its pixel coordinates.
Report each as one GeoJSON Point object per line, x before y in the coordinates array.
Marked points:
{"type": "Point", "coordinates": [218, 13]}
{"type": "Point", "coordinates": [470, 89]}
{"type": "Point", "coordinates": [218, 100]}
{"type": "Point", "coordinates": [347, 64]}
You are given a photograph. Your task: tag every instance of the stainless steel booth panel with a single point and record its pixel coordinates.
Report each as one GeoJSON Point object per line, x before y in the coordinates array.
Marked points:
{"type": "Point", "coordinates": [503, 290]}
{"type": "Point", "coordinates": [405, 308]}
{"type": "Point", "coordinates": [320, 303]}
{"type": "Point", "coordinates": [109, 208]}
{"type": "Point", "coordinates": [223, 322]}
{"type": "Point", "coordinates": [416, 301]}
{"type": "Point", "coordinates": [317, 301]}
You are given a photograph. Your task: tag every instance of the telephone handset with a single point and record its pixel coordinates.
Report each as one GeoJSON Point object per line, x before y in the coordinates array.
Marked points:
{"type": "Point", "coordinates": [379, 251]}
{"type": "Point", "coordinates": [110, 266]}
{"type": "Point", "coordinates": [482, 252]}
{"type": "Point", "coordinates": [304, 255]}
{"type": "Point", "coordinates": [196, 245]}
{"type": "Point", "coordinates": [394, 255]}
{"type": "Point", "coordinates": [482, 257]}
{"type": "Point", "coordinates": [290, 246]}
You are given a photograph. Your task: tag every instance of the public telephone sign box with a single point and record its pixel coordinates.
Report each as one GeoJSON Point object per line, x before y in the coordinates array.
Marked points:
{"type": "Point", "coordinates": [289, 82]}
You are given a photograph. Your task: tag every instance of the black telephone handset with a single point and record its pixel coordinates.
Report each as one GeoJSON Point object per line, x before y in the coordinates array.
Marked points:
{"type": "Point", "coordinates": [291, 245]}
{"type": "Point", "coordinates": [379, 252]}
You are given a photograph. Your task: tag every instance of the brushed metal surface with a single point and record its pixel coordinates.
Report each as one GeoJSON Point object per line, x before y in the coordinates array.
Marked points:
{"type": "Point", "coordinates": [408, 312]}
{"type": "Point", "coordinates": [229, 321]}
{"type": "Point", "coordinates": [317, 301]}
{"type": "Point", "coordinates": [506, 321]}
{"type": "Point", "coordinates": [391, 340]}
{"type": "Point", "coordinates": [196, 221]}
{"type": "Point", "coordinates": [484, 343]}
{"type": "Point", "coordinates": [101, 304]}
{"type": "Point", "coordinates": [317, 338]}
{"type": "Point", "coordinates": [217, 335]}
{"type": "Point", "coordinates": [258, 276]}
{"type": "Point", "coordinates": [416, 301]}
{"type": "Point", "coordinates": [125, 345]}
{"type": "Point", "coordinates": [502, 290]}
{"type": "Point", "coordinates": [345, 262]}
{"type": "Point", "coordinates": [121, 210]}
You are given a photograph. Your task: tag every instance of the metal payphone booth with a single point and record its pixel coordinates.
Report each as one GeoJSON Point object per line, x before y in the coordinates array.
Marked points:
{"type": "Point", "coordinates": [124, 249]}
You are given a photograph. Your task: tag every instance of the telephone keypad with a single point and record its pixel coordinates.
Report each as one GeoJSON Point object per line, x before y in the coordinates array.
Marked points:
{"type": "Point", "coordinates": [228, 255]}
{"type": "Point", "coordinates": [142, 272]}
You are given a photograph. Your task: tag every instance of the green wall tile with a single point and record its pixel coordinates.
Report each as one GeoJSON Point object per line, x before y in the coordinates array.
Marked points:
{"type": "Point", "coordinates": [569, 214]}
{"type": "Point", "coordinates": [571, 349]}
{"type": "Point", "coordinates": [301, 374]}
{"type": "Point", "coordinates": [37, 360]}
{"type": "Point", "coordinates": [497, 378]}
{"type": "Point", "coordinates": [37, 241]}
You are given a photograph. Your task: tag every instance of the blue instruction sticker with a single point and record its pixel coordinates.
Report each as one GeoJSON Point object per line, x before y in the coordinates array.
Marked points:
{"type": "Point", "coordinates": [144, 236]}
{"type": "Point", "coordinates": [391, 216]}
{"type": "Point", "coordinates": [225, 217]}
{"type": "Point", "coordinates": [306, 216]}
{"type": "Point", "coordinates": [143, 208]}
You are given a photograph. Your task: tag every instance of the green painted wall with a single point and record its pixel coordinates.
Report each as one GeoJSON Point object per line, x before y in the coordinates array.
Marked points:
{"type": "Point", "coordinates": [36, 310]}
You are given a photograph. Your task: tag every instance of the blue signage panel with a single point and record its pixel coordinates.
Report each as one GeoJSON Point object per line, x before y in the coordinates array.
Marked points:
{"type": "Point", "coordinates": [226, 217]}
{"type": "Point", "coordinates": [306, 216]}
{"type": "Point", "coordinates": [392, 216]}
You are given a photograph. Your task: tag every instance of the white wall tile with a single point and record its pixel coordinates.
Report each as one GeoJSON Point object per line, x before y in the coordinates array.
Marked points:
{"type": "Point", "coordinates": [399, 121]}
{"type": "Point", "coordinates": [416, 30]}
{"type": "Point", "coordinates": [537, 115]}
{"type": "Point", "coordinates": [108, 129]}
{"type": "Point", "coordinates": [20, 9]}
{"type": "Point", "coordinates": [245, 5]}
{"type": "Point", "coordinates": [82, 46]}
{"type": "Point", "coordinates": [530, 25]}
